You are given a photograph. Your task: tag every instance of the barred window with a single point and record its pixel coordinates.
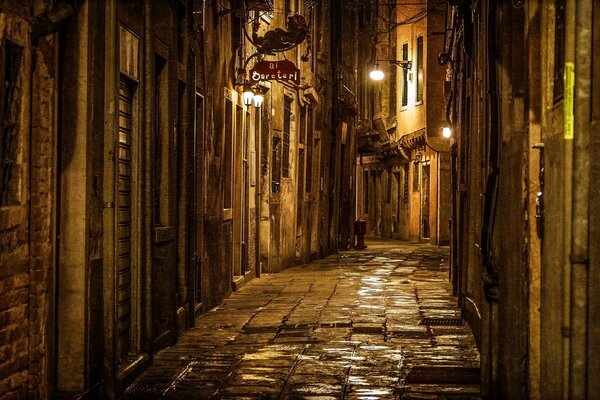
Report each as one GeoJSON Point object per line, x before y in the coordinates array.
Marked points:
{"type": "Point", "coordinates": [10, 107]}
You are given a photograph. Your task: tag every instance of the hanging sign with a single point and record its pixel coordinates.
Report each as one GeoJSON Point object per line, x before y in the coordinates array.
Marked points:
{"type": "Point", "coordinates": [281, 71]}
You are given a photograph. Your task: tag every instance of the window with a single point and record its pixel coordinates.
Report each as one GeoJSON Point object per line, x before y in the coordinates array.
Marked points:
{"type": "Point", "coordinates": [228, 156]}
{"type": "Point", "coordinates": [559, 49]}
{"type": "Point", "coordinates": [404, 76]}
{"type": "Point", "coordinates": [420, 68]}
{"type": "Point", "coordinates": [10, 107]}
{"type": "Point", "coordinates": [285, 150]}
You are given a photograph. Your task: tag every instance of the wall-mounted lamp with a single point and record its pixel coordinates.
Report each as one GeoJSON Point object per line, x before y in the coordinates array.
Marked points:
{"type": "Point", "coordinates": [248, 94]}
{"type": "Point", "coordinates": [377, 74]}
{"type": "Point", "coordinates": [446, 132]}
{"type": "Point", "coordinates": [418, 157]}
{"type": "Point", "coordinates": [253, 95]}
{"type": "Point", "coordinates": [258, 98]}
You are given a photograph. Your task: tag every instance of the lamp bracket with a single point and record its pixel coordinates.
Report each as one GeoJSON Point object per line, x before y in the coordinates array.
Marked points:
{"type": "Point", "coordinates": [405, 64]}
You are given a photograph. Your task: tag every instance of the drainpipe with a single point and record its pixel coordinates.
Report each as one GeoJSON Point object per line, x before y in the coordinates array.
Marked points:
{"type": "Point", "coordinates": [567, 200]}
{"type": "Point", "coordinates": [580, 215]}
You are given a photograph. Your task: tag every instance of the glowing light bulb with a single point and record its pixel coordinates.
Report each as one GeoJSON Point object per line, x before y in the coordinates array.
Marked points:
{"type": "Point", "coordinates": [376, 74]}
{"type": "Point", "coordinates": [258, 100]}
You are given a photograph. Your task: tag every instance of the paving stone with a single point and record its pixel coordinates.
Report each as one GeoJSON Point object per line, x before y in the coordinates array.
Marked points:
{"type": "Point", "coordinates": [345, 327]}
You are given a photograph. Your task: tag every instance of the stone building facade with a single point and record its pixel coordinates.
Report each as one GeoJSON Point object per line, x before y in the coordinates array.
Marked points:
{"type": "Point", "coordinates": [523, 102]}
{"type": "Point", "coordinates": [403, 172]}
{"type": "Point", "coordinates": [137, 189]}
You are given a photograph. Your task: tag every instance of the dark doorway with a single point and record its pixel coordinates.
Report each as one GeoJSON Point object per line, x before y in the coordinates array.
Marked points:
{"type": "Point", "coordinates": [195, 210]}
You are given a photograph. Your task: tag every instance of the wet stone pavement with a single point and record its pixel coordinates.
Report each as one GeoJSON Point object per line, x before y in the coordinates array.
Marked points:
{"type": "Point", "coordinates": [345, 327]}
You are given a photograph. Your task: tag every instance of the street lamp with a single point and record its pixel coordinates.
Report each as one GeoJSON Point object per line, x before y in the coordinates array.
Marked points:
{"type": "Point", "coordinates": [377, 74]}
{"type": "Point", "coordinates": [248, 94]}
{"type": "Point", "coordinates": [258, 99]}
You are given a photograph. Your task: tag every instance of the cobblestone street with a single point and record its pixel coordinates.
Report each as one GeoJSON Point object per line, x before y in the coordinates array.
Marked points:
{"type": "Point", "coordinates": [346, 327]}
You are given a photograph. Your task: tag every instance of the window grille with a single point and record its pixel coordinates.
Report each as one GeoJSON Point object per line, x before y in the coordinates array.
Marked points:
{"type": "Point", "coordinates": [10, 107]}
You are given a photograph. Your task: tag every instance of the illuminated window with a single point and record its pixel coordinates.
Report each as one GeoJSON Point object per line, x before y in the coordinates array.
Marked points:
{"type": "Point", "coordinates": [420, 68]}
{"type": "Point", "coordinates": [404, 76]}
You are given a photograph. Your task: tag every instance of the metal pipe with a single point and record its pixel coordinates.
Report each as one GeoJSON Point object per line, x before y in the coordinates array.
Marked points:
{"type": "Point", "coordinates": [580, 215]}
{"type": "Point", "coordinates": [567, 204]}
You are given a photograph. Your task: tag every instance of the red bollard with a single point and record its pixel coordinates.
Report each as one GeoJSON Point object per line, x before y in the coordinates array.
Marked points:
{"type": "Point", "coordinates": [360, 229]}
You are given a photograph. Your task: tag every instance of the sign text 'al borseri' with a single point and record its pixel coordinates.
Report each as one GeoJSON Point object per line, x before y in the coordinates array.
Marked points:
{"type": "Point", "coordinates": [282, 71]}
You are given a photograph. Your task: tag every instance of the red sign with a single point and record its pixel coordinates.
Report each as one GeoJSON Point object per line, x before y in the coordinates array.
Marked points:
{"type": "Point", "coordinates": [282, 71]}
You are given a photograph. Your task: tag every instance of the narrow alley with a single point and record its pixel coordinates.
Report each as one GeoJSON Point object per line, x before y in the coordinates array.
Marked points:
{"type": "Point", "coordinates": [186, 187]}
{"type": "Point", "coordinates": [374, 324]}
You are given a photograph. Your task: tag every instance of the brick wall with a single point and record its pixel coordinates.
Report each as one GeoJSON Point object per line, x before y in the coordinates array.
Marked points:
{"type": "Point", "coordinates": [14, 234]}
{"type": "Point", "coordinates": [25, 226]}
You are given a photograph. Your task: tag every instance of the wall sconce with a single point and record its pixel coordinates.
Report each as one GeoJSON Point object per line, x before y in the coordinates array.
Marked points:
{"type": "Point", "coordinates": [248, 94]}
{"type": "Point", "coordinates": [418, 157]}
{"type": "Point", "coordinates": [258, 99]}
{"type": "Point", "coordinates": [253, 95]}
{"type": "Point", "coordinates": [446, 132]}
{"type": "Point", "coordinates": [377, 74]}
